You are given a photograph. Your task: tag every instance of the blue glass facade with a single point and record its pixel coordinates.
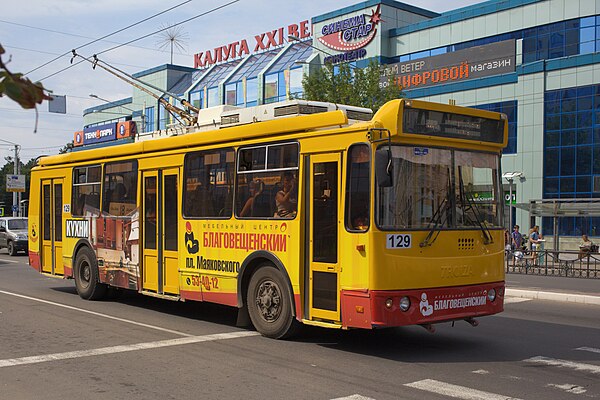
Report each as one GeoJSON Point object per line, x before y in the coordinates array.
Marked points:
{"type": "Point", "coordinates": [560, 39]}
{"type": "Point", "coordinates": [572, 150]}
{"type": "Point", "coordinates": [510, 109]}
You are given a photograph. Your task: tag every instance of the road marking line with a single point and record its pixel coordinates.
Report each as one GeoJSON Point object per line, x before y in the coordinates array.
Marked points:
{"type": "Point", "coordinates": [508, 300]}
{"type": "Point", "coordinates": [96, 313]}
{"type": "Point", "coordinates": [594, 369]}
{"type": "Point", "coordinates": [455, 391]}
{"type": "Point", "coordinates": [480, 372]}
{"type": "Point", "coordinates": [567, 387]}
{"type": "Point", "coordinates": [11, 362]}
{"type": "Point", "coordinates": [9, 261]}
{"type": "Point", "coordinates": [354, 397]}
{"type": "Point", "coordinates": [590, 349]}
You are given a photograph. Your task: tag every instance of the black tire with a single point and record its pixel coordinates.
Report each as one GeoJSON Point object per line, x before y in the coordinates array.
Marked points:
{"type": "Point", "coordinates": [11, 249]}
{"type": "Point", "coordinates": [86, 276]}
{"type": "Point", "coordinates": [269, 303]}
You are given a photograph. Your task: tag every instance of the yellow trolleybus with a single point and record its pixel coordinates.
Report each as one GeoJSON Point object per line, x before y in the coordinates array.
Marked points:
{"type": "Point", "coordinates": [306, 219]}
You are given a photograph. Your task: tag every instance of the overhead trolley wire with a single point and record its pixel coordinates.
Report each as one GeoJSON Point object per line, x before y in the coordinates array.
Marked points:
{"type": "Point", "coordinates": [147, 35]}
{"type": "Point", "coordinates": [110, 34]}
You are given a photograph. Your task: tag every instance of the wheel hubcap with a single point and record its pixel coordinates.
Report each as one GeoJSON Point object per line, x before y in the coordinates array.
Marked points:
{"type": "Point", "coordinates": [85, 274]}
{"type": "Point", "coordinates": [268, 301]}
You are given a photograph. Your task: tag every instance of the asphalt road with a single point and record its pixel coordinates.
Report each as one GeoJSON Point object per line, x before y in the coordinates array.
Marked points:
{"type": "Point", "coordinates": [54, 345]}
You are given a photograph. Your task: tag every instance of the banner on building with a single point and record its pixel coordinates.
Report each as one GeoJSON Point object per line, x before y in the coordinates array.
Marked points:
{"type": "Point", "coordinates": [472, 63]}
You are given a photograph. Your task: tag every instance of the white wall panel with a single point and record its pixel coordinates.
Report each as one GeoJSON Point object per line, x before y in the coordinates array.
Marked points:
{"type": "Point", "coordinates": [516, 18]}
{"type": "Point", "coordinates": [557, 10]}
{"type": "Point", "coordinates": [542, 13]}
{"type": "Point", "coordinates": [571, 9]}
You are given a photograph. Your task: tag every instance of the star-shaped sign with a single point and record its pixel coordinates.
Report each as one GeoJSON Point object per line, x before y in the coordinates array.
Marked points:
{"type": "Point", "coordinates": [376, 16]}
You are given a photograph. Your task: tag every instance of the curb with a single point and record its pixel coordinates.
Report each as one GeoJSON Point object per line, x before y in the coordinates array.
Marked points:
{"type": "Point", "coordinates": [553, 296]}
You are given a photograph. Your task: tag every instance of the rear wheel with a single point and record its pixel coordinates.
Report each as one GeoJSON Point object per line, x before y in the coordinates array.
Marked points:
{"type": "Point", "coordinates": [269, 303]}
{"type": "Point", "coordinates": [86, 276]}
{"type": "Point", "coordinates": [11, 249]}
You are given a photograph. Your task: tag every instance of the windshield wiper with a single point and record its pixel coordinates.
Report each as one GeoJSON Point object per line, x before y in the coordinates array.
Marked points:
{"type": "Point", "coordinates": [437, 218]}
{"type": "Point", "coordinates": [469, 204]}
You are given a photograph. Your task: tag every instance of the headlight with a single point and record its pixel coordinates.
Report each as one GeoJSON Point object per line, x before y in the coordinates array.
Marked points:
{"type": "Point", "coordinates": [389, 303]}
{"type": "Point", "coordinates": [492, 295]}
{"type": "Point", "coordinates": [404, 303]}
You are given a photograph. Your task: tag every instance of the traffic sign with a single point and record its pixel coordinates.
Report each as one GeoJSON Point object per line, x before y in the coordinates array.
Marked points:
{"type": "Point", "coordinates": [1, 211]}
{"type": "Point", "coordinates": [15, 208]}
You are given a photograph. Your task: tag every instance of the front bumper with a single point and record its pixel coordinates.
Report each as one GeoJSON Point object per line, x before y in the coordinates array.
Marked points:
{"type": "Point", "coordinates": [21, 245]}
{"type": "Point", "coordinates": [368, 309]}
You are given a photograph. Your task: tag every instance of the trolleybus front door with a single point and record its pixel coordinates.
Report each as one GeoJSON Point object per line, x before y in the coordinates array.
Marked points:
{"type": "Point", "coordinates": [160, 220]}
{"type": "Point", "coordinates": [323, 219]}
{"type": "Point", "coordinates": [52, 208]}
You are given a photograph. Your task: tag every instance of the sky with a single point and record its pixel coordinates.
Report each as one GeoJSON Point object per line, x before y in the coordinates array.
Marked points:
{"type": "Point", "coordinates": [34, 32]}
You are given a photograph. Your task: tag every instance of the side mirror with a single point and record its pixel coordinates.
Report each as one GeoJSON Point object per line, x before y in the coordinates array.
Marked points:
{"type": "Point", "coordinates": [383, 167]}
{"type": "Point", "coordinates": [2, 229]}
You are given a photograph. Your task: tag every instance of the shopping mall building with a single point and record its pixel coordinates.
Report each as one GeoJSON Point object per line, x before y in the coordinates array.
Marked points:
{"type": "Point", "coordinates": [537, 61]}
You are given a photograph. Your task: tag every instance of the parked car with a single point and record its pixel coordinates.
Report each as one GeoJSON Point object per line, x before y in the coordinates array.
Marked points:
{"type": "Point", "coordinates": [13, 234]}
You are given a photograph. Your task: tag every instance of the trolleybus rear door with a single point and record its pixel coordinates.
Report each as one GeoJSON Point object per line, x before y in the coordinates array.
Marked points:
{"type": "Point", "coordinates": [160, 213]}
{"type": "Point", "coordinates": [52, 208]}
{"type": "Point", "coordinates": [323, 201]}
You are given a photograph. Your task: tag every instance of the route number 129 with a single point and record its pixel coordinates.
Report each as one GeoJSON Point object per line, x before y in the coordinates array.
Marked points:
{"type": "Point", "coordinates": [398, 241]}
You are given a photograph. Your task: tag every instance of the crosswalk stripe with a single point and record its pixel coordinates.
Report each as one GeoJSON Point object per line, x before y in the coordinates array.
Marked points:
{"type": "Point", "coordinates": [353, 397]}
{"type": "Point", "coordinates": [590, 349]}
{"type": "Point", "coordinates": [455, 391]}
{"type": "Point", "coordinates": [595, 369]}
{"type": "Point", "coordinates": [11, 362]}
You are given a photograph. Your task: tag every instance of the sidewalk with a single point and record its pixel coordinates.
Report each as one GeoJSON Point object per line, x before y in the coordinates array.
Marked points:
{"type": "Point", "coordinates": [586, 291]}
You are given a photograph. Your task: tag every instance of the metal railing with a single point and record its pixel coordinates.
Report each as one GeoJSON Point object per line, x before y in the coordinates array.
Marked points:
{"type": "Point", "coordinates": [572, 264]}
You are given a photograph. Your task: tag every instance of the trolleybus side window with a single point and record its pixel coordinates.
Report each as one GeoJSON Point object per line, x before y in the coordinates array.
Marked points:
{"type": "Point", "coordinates": [267, 181]}
{"type": "Point", "coordinates": [119, 193]}
{"type": "Point", "coordinates": [209, 183]}
{"type": "Point", "coordinates": [86, 190]}
{"type": "Point", "coordinates": [358, 188]}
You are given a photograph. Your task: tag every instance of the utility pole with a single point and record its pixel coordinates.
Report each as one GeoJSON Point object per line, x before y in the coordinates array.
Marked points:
{"type": "Point", "coordinates": [16, 196]}
{"type": "Point", "coordinates": [16, 168]}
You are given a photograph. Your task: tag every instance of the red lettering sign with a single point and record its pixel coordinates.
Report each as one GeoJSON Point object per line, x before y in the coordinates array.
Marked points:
{"type": "Point", "coordinates": [263, 41]}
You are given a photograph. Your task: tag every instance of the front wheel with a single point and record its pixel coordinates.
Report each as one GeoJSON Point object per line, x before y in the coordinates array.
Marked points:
{"type": "Point", "coordinates": [11, 249]}
{"type": "Point", "coordinates": [86, 276]}
{"type": "Point", "coordinates": [269, 304]}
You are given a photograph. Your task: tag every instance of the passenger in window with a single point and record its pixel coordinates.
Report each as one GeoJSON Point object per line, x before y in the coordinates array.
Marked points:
{"type": "Point", "coordinates": [361, 223]}
{"type": "Point", "coordinates": [286, 199]}
{"type": "Point", "coordinates": [255, 187]}
{"type": "Point", "coordinates": [119, 194]}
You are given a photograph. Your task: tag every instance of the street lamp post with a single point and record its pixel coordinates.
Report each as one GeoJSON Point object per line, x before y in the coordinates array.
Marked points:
{"type": "Point", "coordinates": [143, 116]}
{"type": "Point", "coordinates": [510, 177]}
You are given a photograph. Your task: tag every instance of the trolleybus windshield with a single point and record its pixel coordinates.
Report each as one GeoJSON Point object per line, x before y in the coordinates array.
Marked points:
{"type": "Point", "coordinates": [449, 189]}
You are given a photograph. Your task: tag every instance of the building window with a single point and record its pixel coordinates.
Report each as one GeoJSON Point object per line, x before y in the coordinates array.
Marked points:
{"type": "Point", "coordinates": [559, 39]}
{"type": "Point", "coordinates": [149, 119]}
{"type": "Point", "coordinates": [213, 97]}
{"type": "Point", "coordinates": [197, 98]}
{"type": "Point", "coordinates": [252, 92]}
{"type": "Point", "coordinates": [271, 86]}
{"type": "Point", "coordinates": [296, 89]}
{"type": "Point", "coordinates": [231, 94]}
{"type": "Point", "coordinates": [572, 152]}
{"type": "Point", "coordinates": [510, 109]}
